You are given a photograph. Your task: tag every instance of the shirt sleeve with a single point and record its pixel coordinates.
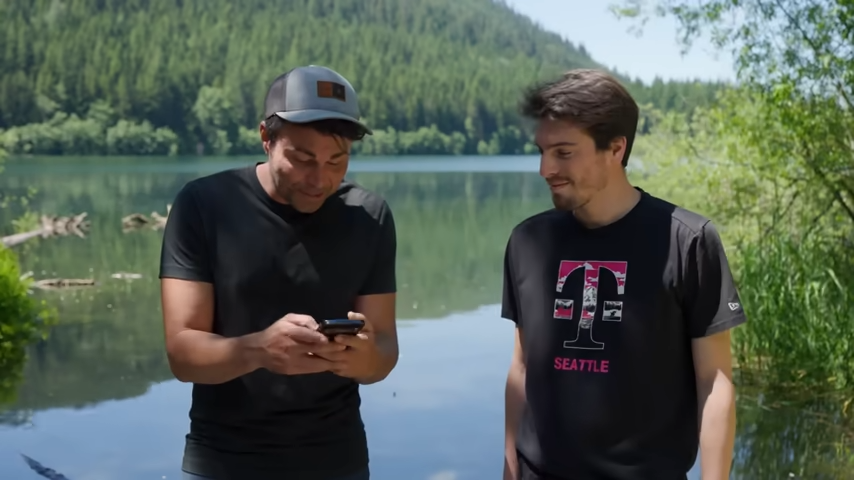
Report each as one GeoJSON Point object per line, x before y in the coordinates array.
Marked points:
{"type": "Point", "coordinates": [382, 277]}
{"type": "Point", "coordinates": [185, 253]}
{"type": "Point", "coordinates": [509, 299]}
{"type": "Point", "coordinates": [712, 303]}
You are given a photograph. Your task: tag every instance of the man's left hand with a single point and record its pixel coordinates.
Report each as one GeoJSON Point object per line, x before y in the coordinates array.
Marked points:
{"type": "Point", "coordinates": [361, 359]}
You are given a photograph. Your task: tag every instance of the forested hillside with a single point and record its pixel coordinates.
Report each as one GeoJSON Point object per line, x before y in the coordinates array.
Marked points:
{"type": "Point", "coordinates": [186, 76]}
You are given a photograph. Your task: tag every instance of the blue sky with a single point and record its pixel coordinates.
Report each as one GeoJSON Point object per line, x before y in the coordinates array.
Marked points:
{"type": "Point", "coordinates": [608, 40]}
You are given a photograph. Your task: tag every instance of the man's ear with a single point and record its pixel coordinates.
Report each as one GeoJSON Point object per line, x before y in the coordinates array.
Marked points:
{"type": "Point", "coordinates": [618, 148]}
{"type": "Point", "coordinates": [265, 137]}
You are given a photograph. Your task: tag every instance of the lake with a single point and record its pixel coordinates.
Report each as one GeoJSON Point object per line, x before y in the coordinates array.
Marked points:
{"type": "Point", "coordinates": [98, 400]}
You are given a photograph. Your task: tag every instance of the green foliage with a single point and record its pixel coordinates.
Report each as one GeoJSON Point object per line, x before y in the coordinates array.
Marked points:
{"type": "Point", "coordinates": [803, 290]}
{"type": "Point", "coordinates": [68, 134]}
{"type": "Point", "coordinates": [807, 44]}
{"type": "Point", "coordinates": [789, 235]}
{"type": "Point", "coordinates": [796, 57]}
{"type": "Point", "coordinates": [774, 163]}
{"type": "Point", "coordinates": [190, 76]}
{"type": "Point", "coordinates": [27, 222]}
{"type": "Point", "coordinates": [750, 166]}
{"type": "Point", "coordinates": [23, 320]}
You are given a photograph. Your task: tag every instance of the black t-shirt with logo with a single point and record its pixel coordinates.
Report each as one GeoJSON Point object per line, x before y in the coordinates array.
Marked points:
{"type": "Point", "coordinates": [607, 316]}
{"type": "Point", "coordinates": [266, 260]}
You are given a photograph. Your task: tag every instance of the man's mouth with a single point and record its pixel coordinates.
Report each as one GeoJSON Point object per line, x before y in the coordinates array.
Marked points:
{"type": "Point", "coordinates": [318, 194]}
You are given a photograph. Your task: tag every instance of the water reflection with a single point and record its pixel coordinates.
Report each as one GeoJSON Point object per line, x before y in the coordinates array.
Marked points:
{"type": "Point", "coordinates": [810, 438]}
{"type": "Point", "coordinates": [98, 400]}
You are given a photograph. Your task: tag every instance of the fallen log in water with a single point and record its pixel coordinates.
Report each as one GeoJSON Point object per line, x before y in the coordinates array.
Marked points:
{"type": "Point", "coordinates": [19, 238]}
{"type": "Point", "coordinates": [43, 471]}
{"type": "Point", "coordinates": [126, 276]}
{"type": "Point", "coordinates": [51, 226]}
{"type": "Point", "coordinates": [136, 221]}
{"type": "Point", "coordinates": [51, 283]}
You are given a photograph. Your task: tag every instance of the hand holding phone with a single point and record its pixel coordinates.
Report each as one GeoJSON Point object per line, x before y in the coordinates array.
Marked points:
{"type": "Point", "coordinates": [361, 357]}
{"type": "Point", "coordinates": [293, 346]}
{"type": "Point", "coordinates": [340, 326]}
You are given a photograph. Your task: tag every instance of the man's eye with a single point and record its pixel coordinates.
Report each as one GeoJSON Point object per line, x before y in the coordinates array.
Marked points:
{"type": "Point", "coordinates": [561, 154]}
{"type": "Point", "coordinates": [338, 162]}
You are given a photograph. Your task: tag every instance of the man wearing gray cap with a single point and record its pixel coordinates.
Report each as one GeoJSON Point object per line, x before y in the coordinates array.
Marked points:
{"type": "Point", "coordinates": [254, 260]}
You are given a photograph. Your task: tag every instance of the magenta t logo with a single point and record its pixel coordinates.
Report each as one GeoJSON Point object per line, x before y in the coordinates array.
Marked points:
{"type": "Point", "coordinates": [612, 310]}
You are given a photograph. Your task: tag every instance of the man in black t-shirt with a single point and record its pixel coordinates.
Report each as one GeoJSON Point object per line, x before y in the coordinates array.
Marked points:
{"type": "Point", "coordinates": [623, 304]}
{"type": "Point", "coordinates": [253, 258]}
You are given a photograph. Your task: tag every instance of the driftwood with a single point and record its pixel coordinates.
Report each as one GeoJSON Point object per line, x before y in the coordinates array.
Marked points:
{"type": "Point", "coordinates": [58, 283]}
{"type": "Point", "coordinates": [136, 221]}
{"type": "Point", "coordinates": [126, 276]}
{"type": "Point", "coordinates": [51, 283]}
{"type": "Point", "coordinates": [51, 226]}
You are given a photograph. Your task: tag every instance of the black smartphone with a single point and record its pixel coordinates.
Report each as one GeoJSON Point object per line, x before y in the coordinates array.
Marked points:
{"type": "Point", "coordinates": [340, 326]}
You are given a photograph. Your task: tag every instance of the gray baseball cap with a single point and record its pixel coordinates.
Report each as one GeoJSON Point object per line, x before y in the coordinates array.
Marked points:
{"type": "Point", "coordinates": [311, 93]}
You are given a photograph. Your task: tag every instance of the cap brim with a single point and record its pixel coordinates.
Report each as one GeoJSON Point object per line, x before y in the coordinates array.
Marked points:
{"type": "Point", "coordinates": [306, 116]}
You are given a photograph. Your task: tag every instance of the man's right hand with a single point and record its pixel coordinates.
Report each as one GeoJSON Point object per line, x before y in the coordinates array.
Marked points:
{"type": "Point", "coordinates": [288, 346]}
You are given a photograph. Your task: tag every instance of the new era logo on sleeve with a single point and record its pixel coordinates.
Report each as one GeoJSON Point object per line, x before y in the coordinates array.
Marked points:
{"type": "Point", "coordinates": [733, 306]}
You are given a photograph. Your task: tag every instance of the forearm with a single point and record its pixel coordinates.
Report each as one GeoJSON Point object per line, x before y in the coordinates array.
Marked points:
{"type": "Point", "coordinates": [388, 354]}
{"type": "Point", "coordinates": [514, 401]}
{"type": "Point", "coordinates": [717, 427]}
{"type": "Point", "coordinates": [207, 358]}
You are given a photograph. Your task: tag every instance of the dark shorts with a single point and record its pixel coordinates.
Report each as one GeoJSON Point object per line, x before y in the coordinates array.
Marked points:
{"type": "Point", "coordinates": [363, 475]}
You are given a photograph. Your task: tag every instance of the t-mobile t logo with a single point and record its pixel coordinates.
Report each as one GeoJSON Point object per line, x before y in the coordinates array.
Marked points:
{"type": "Point", "coordinates": [612, 310]}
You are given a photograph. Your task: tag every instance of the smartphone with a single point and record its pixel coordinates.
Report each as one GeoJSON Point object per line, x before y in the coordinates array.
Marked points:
{"type": "Point", "coordinates": [340, 326]}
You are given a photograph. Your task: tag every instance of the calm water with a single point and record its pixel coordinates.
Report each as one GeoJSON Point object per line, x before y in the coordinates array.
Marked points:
{"type": "Point", "coordinates": [98, 401]}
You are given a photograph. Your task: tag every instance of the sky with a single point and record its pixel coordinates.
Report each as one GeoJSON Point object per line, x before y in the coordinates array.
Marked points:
{"type": "Point", "coordinates": [609, 41]}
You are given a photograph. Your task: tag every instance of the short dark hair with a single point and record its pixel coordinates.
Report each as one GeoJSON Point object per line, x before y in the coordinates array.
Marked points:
{"type": "Point", "coordinates": [591, 99]}
{"type": "Point", "coordinates": [334, 127]}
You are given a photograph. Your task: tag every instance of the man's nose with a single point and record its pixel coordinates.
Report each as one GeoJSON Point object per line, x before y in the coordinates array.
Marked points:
{"type": "Point", "coordinates": [548, 168]}
{"type": "Point", "coordinates": [312, 177]}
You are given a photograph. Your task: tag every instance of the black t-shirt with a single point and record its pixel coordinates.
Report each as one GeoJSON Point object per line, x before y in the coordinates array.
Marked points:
{"type": "Point", "coordinates": [607, 316]}
{"type": "Point", "coordinates": [266, 260]}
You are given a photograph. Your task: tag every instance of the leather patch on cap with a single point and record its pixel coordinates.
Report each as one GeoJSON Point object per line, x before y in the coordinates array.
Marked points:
{"type": "Point", "coordinates": [331, 90]}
